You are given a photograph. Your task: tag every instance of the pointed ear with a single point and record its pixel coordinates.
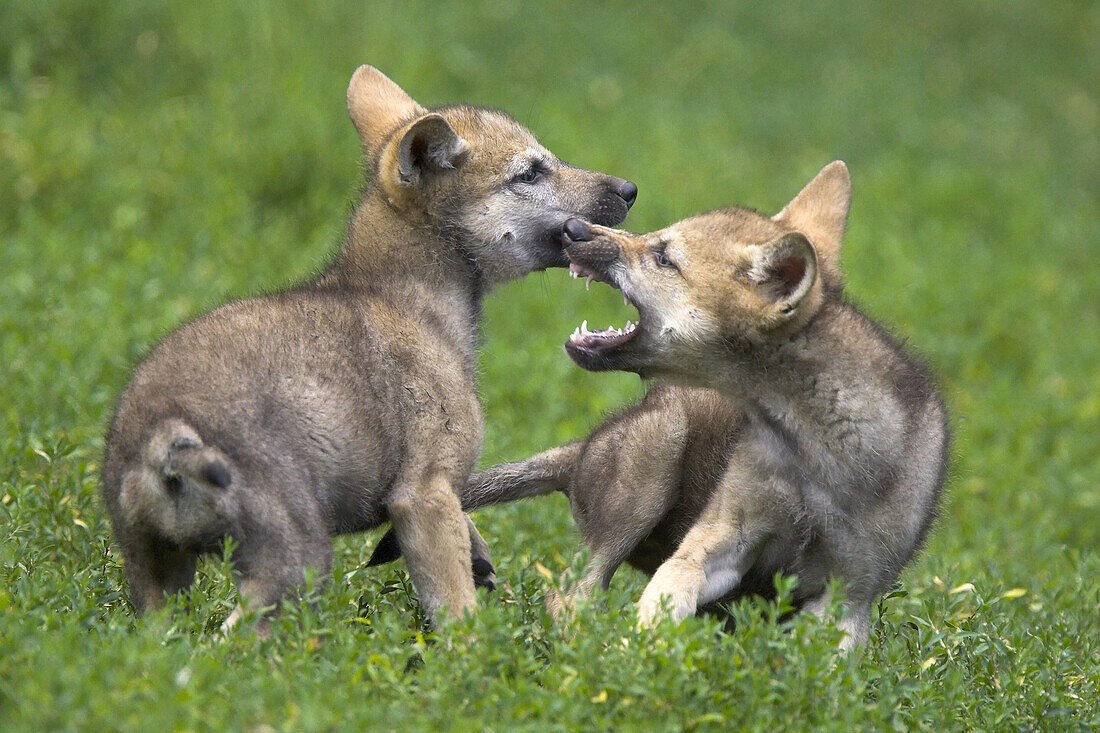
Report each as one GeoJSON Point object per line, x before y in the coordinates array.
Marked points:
{"type": "Point", "coordinates": [820, 210]}
{"type": "Point", "coordinates": [377, 106]}
{"type": "Point", "coordinates": [429, 145]}
{"type": "Point", "coordinates": [784, 271]}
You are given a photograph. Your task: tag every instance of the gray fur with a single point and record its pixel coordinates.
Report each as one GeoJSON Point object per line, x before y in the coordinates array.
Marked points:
{"type": "Point", "coordinates": [350, 400]}
{"type": "Point", "coordinates": [837, 470]}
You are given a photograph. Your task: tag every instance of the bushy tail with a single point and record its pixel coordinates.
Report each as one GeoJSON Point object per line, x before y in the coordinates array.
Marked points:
{"type": "Point", "coordinates": [540, 474]}
{"type": "Point", "coordinates": [505, 482]}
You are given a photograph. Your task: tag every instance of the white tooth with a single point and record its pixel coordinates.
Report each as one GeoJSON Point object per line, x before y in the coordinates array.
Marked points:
{"type": "Point", "coordinates": [584, 327]}
{"type": "Point", "coordinates": [625, 301]}
{"type": "Point", "coordinates": [588, 283]}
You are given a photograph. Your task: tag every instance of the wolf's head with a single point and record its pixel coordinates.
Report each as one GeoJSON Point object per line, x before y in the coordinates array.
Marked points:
{"type": "Point", "coordinates": [733, 276]}
{"type": "Point", "coordinates": [478, 177]}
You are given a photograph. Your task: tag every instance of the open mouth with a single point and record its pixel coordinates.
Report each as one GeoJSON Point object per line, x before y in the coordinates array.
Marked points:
{"type": "Point", "coordinates": [598, 341]}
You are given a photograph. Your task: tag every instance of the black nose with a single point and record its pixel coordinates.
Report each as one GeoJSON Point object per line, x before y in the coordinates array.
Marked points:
{"type": "Point", "coordinates": [627, 191]}
{"type": "Point", "coordinates": [576, 230]}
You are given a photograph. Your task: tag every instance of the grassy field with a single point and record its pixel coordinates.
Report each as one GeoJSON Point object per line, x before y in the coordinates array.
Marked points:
{"type": "Point", "coordinates": [160, 158]}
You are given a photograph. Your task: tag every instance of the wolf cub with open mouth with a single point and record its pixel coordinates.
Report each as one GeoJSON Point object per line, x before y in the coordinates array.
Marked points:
{"type": "Point", "coordinates": [836, 466]}
{"type": "Point", "coordinates": [285, 419]}
{"type": "Point", "coordinates": [796, 436]}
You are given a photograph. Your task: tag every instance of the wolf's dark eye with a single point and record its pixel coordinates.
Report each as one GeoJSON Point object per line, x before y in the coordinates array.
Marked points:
{"type": "Point", "coordinates": [530, 175]}
{"type": "Point", "coordinates": [662, 260]}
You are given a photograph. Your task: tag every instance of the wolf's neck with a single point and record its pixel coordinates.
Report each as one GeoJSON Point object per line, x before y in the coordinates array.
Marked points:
{"type": "Point", "coordinates": [822, 391]}
{"type": "Point", "coordinates": [413, 265]}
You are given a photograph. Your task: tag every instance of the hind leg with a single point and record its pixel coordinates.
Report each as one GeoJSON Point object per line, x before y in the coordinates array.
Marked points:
{"type": "Point", "coordinates": [611, 541]}
{"type": "Point", "coordinates": [616, 516]}
{"type": "Point", "coordinates": [855, 620]}
{"type": "Point", "coordinates": [272, 560]}
{"type": "Point", "coordinates": [597, 575]}
{"type": "Point", "coordinates": [856, 624]}
{"type": "Point", "coordinates": [156, 569]}
{"type": "Point", "coordinates": [278, 574]}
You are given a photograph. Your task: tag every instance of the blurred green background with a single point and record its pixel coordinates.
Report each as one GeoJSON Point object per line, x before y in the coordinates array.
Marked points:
{"type": "Point", "coordinates": [157, 158]}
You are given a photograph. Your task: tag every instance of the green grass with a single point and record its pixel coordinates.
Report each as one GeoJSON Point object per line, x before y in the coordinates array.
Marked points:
{"type": "Point", "coordinates": [157, 159]}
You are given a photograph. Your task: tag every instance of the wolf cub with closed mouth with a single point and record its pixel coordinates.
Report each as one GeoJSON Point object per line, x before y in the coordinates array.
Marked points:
{"type": "Point", "coordinates": [796, 436]}
{"type": "Point", "coordinates": [351, 400]}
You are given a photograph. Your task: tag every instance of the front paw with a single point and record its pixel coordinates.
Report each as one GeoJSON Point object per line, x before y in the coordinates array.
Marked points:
{"type": "Point", "coordinates": [651, 609]}
{"type": "Point", "coordinates": [673, 604]}
{"type": "Point", "coordinates": [672, 593]}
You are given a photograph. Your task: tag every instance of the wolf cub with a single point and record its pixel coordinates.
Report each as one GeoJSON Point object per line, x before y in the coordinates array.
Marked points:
{"type": "Point", "coordinates": [350, 400]}
{"type": "Point", "coordinates": [837, 465]}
